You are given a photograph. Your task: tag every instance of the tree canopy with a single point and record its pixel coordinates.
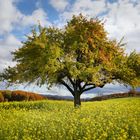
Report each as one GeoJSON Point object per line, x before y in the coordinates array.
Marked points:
{"type": "Point", "coordinates": [79, 56]}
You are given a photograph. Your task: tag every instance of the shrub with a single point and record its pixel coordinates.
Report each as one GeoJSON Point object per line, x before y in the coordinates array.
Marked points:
{"type": "Point", "coordinates": [19, 96]}
{"type": "Point", "coordinates": [132, 93]}
{"type": "Point", "coordinates": [23, 95]}
{"type": "Point", "coordinates": [1, 97]}
{"type": "Point", "coordinates": [7, 95]}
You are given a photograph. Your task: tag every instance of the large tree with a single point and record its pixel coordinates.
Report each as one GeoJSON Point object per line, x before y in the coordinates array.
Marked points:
{"type": "Point", "coordinates": [80, 57]}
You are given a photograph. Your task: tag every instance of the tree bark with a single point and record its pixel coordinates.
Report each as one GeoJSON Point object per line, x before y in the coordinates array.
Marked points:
{"type": "Point", "coordinates": [77, 100]}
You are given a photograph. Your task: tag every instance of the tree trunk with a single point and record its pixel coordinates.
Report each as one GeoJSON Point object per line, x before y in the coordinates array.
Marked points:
{"type": "Point", "coordinates": [77, 101]}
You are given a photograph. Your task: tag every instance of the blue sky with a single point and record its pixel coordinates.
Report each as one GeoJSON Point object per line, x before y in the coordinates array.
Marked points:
{"type": "Point", "coordinates": [17, 17]}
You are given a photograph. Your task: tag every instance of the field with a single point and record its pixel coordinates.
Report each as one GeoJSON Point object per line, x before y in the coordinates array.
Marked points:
{"type": "Point", "coordinates": [116, 119]}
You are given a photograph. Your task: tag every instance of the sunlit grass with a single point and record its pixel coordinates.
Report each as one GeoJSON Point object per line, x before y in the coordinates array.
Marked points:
{"type": "Point", "coordinates": [117, 119]}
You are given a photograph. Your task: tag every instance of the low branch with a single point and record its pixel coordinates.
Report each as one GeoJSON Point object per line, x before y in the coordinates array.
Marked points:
{"type": "Point", "coordinates": [87, 84]}
{"type": "Point", "coordinates": [89, 88]}
{"type": "Point", "coordinates": [84, 85]}
{"type": "Point", "coordinates": [67, 86]}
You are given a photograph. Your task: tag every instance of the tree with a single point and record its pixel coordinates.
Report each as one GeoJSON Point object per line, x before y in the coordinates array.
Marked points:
{"type": "Point", "coordinates": [80, 57]}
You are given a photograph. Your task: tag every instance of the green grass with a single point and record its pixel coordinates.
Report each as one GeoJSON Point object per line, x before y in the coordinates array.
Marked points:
{"type": "Point", "coordinates": [116, 119]}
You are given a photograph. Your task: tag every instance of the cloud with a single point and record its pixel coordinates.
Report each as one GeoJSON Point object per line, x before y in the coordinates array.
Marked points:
{"type": "Point", "coordinates": [59, 5]}
{"type": "Point", "coordinates": [11, 17]}
{"type": "Point", "coordinates": [122, 18]}
{"type": "Point", "coordinates": [86, 7]}
{"type": "Point", "coordinates": [8, 15]}
{"type": "Point", "coordinates": [38, 16]}
{"type": "Point", "coordinates": [8, 44]}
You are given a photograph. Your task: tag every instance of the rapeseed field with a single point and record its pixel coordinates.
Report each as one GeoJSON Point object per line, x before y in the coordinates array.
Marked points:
{"type": "Point", "coordinates": [116, 119]}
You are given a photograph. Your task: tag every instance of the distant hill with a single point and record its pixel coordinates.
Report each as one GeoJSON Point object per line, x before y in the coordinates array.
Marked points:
{"type": "Point", "coordinates": [18, 95]}
{"type": "Point", "coordinates": [117, 95]}
{"type": "Point", "coordinates": [97, 98]}
{"type": "Point", "coordinates": [57, 97]}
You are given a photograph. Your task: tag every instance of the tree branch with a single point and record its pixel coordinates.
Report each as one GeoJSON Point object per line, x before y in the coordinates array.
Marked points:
{"type": "Point", "coordinates": [84, 85]}
{"type": "Point", "coordinates": [73, 84]}
{"type": "Point", "coordinates": [67, 86]}
{"type": "Point", "coordinates": [87, 84]}
{"type": "Point", "coordinates": [89, 88]}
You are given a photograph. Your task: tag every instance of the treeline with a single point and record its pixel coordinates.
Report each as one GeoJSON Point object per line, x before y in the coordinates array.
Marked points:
{"type": "Point", "coordinates": [18, 95]}
{"type": "Point", "coordinates": [131, 93]}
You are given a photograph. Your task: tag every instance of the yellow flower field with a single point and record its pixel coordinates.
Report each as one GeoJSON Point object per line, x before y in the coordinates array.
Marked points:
{"type": "Point", "coordinates": [116, 119]}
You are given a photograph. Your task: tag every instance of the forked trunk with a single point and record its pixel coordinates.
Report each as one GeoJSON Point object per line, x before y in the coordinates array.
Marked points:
{"type": "Point", "coordinates": [77, 100]}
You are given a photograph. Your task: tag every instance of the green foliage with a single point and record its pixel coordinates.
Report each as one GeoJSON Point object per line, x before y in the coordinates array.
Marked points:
{"type": "Point", "coordinates": [76, 56]}
{"type": "Point", "coordinates": [129, 70]}
{"type": "Point", "coordinates": [116, 119]}
{"type": "Point", "coordinates": [133, 63]}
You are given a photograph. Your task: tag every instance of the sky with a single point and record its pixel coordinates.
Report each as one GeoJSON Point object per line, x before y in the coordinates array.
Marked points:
{"type": "Point", "coordinates": [18, 17]}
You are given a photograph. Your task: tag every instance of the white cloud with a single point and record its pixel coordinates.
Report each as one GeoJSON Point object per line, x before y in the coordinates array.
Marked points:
{"type": "Point", "coordinates": [8, 15]}
{"type": "Point", "coordinates": [11, 17]}
{"type": "Point", "coordinates": [7, 45]}
{"type": "Point", "coordinates": [38, 16]}
{"type": "Point", "coordinates": [86, 7]}
{"type": "Point", "coordinates": [59, 5]}
{"type": "Point", "coordinates": [123, 19]}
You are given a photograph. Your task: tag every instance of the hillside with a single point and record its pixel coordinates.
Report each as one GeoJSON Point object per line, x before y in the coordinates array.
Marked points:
{"type": "Point", "coordinates": [18, 95]}
{"type": "Point", "coordinates": [39, 120]}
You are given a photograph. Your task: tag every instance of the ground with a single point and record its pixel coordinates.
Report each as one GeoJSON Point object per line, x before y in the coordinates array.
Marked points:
{"type": "Point", "coordinates": [115, 119]}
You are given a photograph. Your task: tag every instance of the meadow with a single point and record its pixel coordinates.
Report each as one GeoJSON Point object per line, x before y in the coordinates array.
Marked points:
{"type": "Point", "coordinates": [115, 119]}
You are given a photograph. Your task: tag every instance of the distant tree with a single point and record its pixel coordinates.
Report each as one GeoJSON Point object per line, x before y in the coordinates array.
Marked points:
{"type": "Point", "coordinates": [80, 57]}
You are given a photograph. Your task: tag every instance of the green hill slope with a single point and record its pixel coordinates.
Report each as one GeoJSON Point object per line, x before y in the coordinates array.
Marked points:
{"type": "Point", "coordinates": [116, 119]}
